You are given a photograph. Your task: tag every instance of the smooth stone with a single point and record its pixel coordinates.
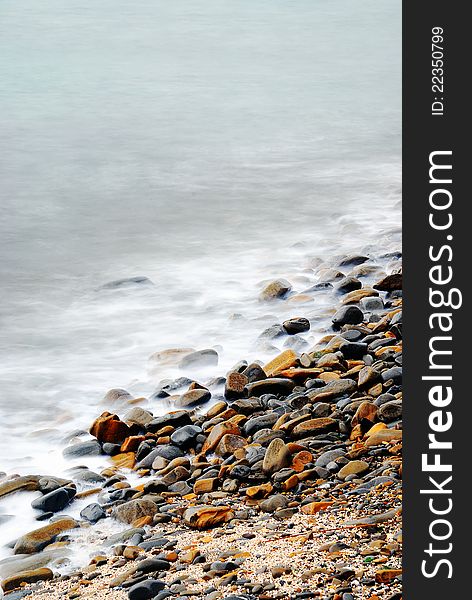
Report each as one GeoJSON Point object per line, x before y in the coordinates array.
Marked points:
{"type": "Point", "coordinates": [134, 509]}
{"type": "Point", "coordinates": [275, 385]}
{"type": "Point", "coordinates": [53, 501]}
{"type": "Point", "coordinates": [274, 503]}
{"type": "Point", "coordinates": [324, 459]}
{"type": "Point", "coordinates": [145, 590]}
{"type": "Point", "coordinates": [262, 422]}
{"type": "Point", "coordinates": [354, 467]}
{"type": "Point", "coordinates": [199, 358]}
{"type": "Point", "coordinates": [13, 582]}
{"type": "Point", "coordinates": [88, 448]}
{"type": "Point", "coordinates": [185, 436]}
{"type": "Point", "coordinates": [27, 482]}
{"type": "Point", "coordinates": [277, 457]}
{"type": "Point", "coordinates": [203, 517]}
{"type": "Point", "coordinates": [296, 325]}
{"type": "Point", "coordinates": [193, 398]}
{"type": "Point", "coordinates": [348, 315]}
{"type": "Point", "coordinates": [93, 513]}
{"type": "Point", "coordinates": [276, 289]}
{"type": "Point", "coordinates": [36, 540]}
{"type": "Point", "coordinates": [177, 418]}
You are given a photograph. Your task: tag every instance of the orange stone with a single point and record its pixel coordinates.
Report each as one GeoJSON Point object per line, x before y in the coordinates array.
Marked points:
{"type": "Point", "coordinates": [313, 507]}
{"type": "Point", "coordinates": [283, 361]}
{"type": "Point", "coordinates": [218, 431]}
{"type": "Point", "coordinates": [124, 461]}
{"type": "Point", "coordinates": [131, 443]}
{"type": "Point", "coordinates": [109, 428]}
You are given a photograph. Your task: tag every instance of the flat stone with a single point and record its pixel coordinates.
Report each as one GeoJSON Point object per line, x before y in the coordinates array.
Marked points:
{"type": "Point", "coordinates": [134, 509]}
{"type": "Point", "coordinates": [217, 432]}
{"type": "Point", "coordinates": [285, 360]}
{"type": "Point", "coordinates": [36, 540]}
{"type": "Point", "coordinates": [199, 358]}
{"type": "Point", "coordinates": [28, 482]}
{"type": "Point", "coordinates": [203, 517]}
{"type": "Point", "coordinates": [354, 467]}
{"type": "Point", "coordinates": [15, 581]}
{"type": "Point", "coordinates": [314, 427]}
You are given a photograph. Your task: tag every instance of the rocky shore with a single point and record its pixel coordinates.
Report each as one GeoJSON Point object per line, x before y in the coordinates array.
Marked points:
{"type": "Point", "coordinates": [280, 480]}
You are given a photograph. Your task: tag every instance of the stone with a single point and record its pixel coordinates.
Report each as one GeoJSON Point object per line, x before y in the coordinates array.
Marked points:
{"type": "Point", "coordinates": [116, 395]}
{"type": "Point", "coordinates": [138, 416]}
{"type": "Point", "coordinates": [109, 428]}
{"type": "Point", "coordinates": [382, 436]}
{"type": "Point", "coordinates": [277, 457]}
{"type": "Point", "coordinates": [283, 361]}
{"type": "Point", "coordinates": [337, 387]}
{"type": "Point", "coordinates": [367, 411]}
{"type": "Point", "coordinates": [203, 486]}
{"type": "Point", "coordinates": [27, 482]}
{"type": "Point", "coordinates": [53, 501]}
{"type": "Point", "coordinates": [296, 325]}
{"type": "Point", "coordinates": [274, 503]}
{"type": "Point", "coordinates": [204, 517]}
{"type": "Point", "coordinates": [274, 385]}
{"type": "Point", "coordinates": [357, 295]}
{"type": "Point", "coordinates": [353, 350]}
{"type": "Point", "coordinates": [390, 283]}
{"type": "Point", "coordinates": [93, 513]}
{"type": "Point", "coordinates": [348, 284]}
{"type": "Point", "coordinates": [88, 448]}
{"type": "Point", "coordinates": [265, 421]}
{"type": "Point", "coordinates": [390, 411]}
{"type": "Point", "coordinates": [276, 289]}
{"type": "Point", "coordinates": [348, 315]}
{"type": "Point", "coordinates": [177, 418]}
{"type": "Point", "coordinates": [185, 436]}
{"type": "Point", "coordinates": [314, 427]}
{"type": "Point", "coordinates": [229, 444]}
{"type": "Point", "coordinates": [327, 457]}
{"type": "Point", "coordinates": [152, 565]}
{"type": "Point", "coordinates": [353, 260]}
{"type": "Point", "coordinates": [354, 467]}
{"type": "Point", "coordinates": [254, 372]}
{"type": "Point", "coordinates": [193, 398]}
{"type": "Point", "coordinates": [234, 386]}
{"type": "Point", "coordinates": [217, 432]}
{"type": "Point", "coordinates": [32, 576]}
{"type": "Point", "coordinates": [36, 540]}
{"type": "Point", "coordinates": [387, 575]}
{"type": "Point", "coordinates": [314, 507]}
{"type": "Point", "coordinates": [130, 511]}
{"type": "Point", "coordinates": [259, 491]}
{"type": "Point", "coordinates": [199, 359]}
{"type": "Point", "coordinates": [145, 590]}
{"type": "Point", "coordinates": [367, 376]}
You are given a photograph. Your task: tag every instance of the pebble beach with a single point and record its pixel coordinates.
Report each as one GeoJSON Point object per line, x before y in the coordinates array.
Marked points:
{"type": "Point", "coordinates": [279, 479]}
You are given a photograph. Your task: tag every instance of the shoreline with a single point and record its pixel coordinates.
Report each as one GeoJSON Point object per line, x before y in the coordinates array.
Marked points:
{"type": "Point", "coordinates": [302, 454]}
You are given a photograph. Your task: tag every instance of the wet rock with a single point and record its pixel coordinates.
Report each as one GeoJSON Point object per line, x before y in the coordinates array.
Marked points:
{"type": "Point", "coordinates": [234, 387]}
{"type": "Point", "coordinates": [283, 361]}
{"type": "Point", "coordinates": [348, 284]}
{"type": "Point", "coordinates": [134, 509]}
{"type": "Point", "coordinates": [327, 457]}
{"type": "Point", "coordinates": [354, 467]}
{"type": "Point", "coordinates": [177, 418]}
{"type": "Point", "coordinates": [199, 359]}
{"type": "Point", "coordinates": [194, 398]}
{"type": "Point", "coordinates": [145, 590]}
{"type": "Point", "coordinates": [152, 565]}
{"type": "Point", "coordinates": [36, 540]}
{"type": "Point", "coordinates": [217, 432]}
{"type": "Point", "coordinates": [93, 513]}
{"type": "Point", "coordinates": [276, 289]}
{"type": "Point", "coordinates": [26, 577]}
{"type": "Point", "coordinates": [28, 482]}
{"type": "Point", "coordinates": [109, 428]}
{"type": "Point", "coordinates": [88, 448]}
{"type": "Point", "coordinates": [277, 457]}
{"type": "Point", "coordinates": [274, 503]}
{"type": "Point", "coordinates": [352, 260]}
{"type": "Point", "coordinates": [274, 385]}
{"type": "Point", "coordinates": [254, 372]}
{"type": "Point", "coordinates": [53, 501]}
{"type": "Point", "coordinates": [203, 517]}
{"type": "Point", "coordinates": [185, 436]}
{"type": "Point", "coordinates": [332, 389]}
{"type": "Point", "coordinates": [314, 427]}
{"type": "Point", "coordinates": [348, 315]}
{"type": "Point", "coordinates": [229, 444]}
{"type": "Point", "coordinates": [390, 283]}
{"type": "Point", "coordinates": [262, 422]}
{"type": "Point", "coordinates": [390, 411]}
{"type": "Point", "coordinates": [353, 350]}
{"type": "Point", "coordinates": [296, 325]}
{"type": "Point", "coordinates": [138, 416]}
{"type": "Point", "coordinates": [382, 436]}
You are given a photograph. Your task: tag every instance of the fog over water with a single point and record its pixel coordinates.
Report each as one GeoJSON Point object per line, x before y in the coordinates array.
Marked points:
{"type": "Point", "coordinates": [204, 144]}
